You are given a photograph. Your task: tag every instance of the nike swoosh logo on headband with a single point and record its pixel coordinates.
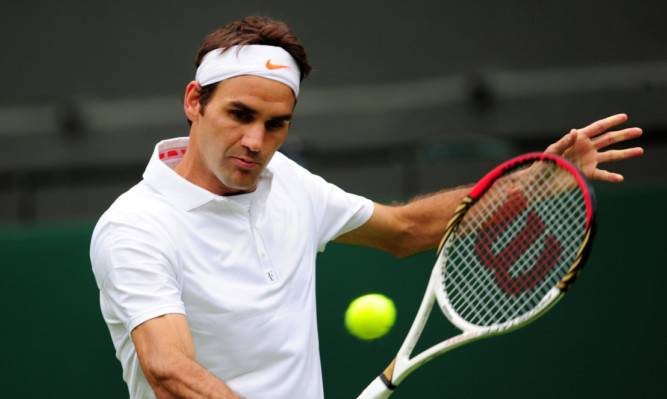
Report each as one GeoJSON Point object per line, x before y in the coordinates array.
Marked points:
{"type": "Point", "coordinates": [269, 65]}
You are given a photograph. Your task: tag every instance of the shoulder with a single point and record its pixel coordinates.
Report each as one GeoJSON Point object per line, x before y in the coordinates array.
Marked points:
{"type": "Point", "coordinates": [140, 211]}
{"type": "Point", "coordinates": [281, 162]}
{"type": "Point", "coordinates": [137, 226]}
{"type": "Point", "coordinates": [290, 173]}
{"type": "Point", "coordinates": [139, 202]}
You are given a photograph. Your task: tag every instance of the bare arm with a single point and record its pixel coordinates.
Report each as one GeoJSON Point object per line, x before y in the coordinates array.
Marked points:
{"type": "Point", "coordinates": [407, 229]}
{"type": "Point", "coordinates": [417, 226]}
{"type": "Point", "coordinates": [167, 357]}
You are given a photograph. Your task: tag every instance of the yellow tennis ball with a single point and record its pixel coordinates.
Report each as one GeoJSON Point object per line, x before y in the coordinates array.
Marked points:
{"type": "Point", "coordinates": [370, 316]}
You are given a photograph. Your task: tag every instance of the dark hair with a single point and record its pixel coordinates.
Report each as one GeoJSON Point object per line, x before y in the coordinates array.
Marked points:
{"type": "Point", "coordinates": [252, 30]}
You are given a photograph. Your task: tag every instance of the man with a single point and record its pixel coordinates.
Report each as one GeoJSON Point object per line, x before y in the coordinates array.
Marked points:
{"type": "Point", "coordinates": [206, 267]}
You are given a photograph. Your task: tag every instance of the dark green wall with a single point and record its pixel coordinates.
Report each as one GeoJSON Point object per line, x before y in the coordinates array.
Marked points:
{"type": "Point", "coordinates": [605, 339]}
{"type": "Point", "coordinates": [55, 343]}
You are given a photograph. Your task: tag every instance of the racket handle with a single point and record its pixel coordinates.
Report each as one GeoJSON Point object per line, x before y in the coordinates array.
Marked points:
{"type": "Point", "coordinates": [376, 390]}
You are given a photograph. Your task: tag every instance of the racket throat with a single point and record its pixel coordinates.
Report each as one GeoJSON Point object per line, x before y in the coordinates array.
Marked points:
{"type": "Point", "coordinates": [388, 374]}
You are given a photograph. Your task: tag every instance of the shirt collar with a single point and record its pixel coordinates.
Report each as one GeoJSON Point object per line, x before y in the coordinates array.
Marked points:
{"type": "Point", "coordinates": [188, 196]}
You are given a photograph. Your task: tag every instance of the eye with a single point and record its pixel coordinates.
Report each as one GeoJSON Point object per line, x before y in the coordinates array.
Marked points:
{"type": "Point", "coordinates": [276, 124]}
{"type": "Point", "coordinates": [240, 115]}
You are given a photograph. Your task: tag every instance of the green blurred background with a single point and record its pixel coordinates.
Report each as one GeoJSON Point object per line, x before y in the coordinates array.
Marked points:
{"type": "Point", "coordinates": [605, 339]}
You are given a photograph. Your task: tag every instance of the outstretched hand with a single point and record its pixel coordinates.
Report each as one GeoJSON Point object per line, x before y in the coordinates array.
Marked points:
{"type": "Point", "coordinates": [582, 147]}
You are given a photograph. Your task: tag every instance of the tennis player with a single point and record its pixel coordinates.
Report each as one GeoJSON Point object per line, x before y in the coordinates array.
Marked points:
{"type": "Point", "coordinates": [206, 268]}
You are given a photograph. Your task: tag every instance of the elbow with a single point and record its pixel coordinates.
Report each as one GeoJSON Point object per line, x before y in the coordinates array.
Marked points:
{"type": "Point", "coordinates": [406, 244]}
{"type": "Point", "coordinates": [158, 374]}
{"type": "Point", "coordinates": [161, 373]}
{"type": "Point", "coordinates": [413, 240]}
{"type": "Point", "coordinates": [400, 251]}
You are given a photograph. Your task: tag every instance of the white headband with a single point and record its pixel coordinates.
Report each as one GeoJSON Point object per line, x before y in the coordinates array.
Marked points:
{"type": "Point", "coordinates": [254, 59]}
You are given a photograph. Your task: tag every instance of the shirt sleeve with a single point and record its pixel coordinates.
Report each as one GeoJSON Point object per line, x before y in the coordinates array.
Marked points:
{"type": "Point", "coordinates": [341, 212]}
{"type": "Point", "coordinates": [135, 274]}
{"type": "Point", "coordinates": [336, 211]}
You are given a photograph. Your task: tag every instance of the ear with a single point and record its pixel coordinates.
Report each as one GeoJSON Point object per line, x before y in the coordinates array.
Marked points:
{"type": "Point", "coordinates": [191, 101]}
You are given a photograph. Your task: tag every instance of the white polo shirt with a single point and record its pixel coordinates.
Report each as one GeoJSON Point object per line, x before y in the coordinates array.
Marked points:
{"type": "Point", "coordinates": [241, 268]}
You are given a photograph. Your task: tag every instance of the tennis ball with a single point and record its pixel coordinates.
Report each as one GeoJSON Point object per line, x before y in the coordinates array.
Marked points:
{"type": "Point", "coordinates": [370, 316]}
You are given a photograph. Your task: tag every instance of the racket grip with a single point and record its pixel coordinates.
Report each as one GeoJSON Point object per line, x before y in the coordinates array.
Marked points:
{"type": "Point", "coordinates": [376, 390]}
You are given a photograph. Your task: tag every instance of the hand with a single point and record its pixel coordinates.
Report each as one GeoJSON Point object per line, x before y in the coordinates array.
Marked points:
{"type": "Point", "coordinates": [582, 147]}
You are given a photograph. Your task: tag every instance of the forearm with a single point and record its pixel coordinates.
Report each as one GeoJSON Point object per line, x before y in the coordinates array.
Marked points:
{"type": "Point", "coordinates": [167, 358]}
{"type": "Point", "coordinates": [184, 378]}
{"type": "Point", "coordinates": [426, 218]}
{"type": "Point", "coordinates": [407, 229]}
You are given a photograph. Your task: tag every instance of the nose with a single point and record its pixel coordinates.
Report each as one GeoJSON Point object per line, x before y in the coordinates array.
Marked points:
{"type": "Point", "coordinates": [253, 137]}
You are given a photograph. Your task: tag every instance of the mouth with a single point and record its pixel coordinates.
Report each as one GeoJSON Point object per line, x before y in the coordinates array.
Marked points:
{"type": "Point", "coordinates": [246, 163]}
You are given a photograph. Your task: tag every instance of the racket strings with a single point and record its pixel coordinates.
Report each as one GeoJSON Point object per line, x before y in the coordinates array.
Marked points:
{"type": "Point", "coordinates": [514, 244]}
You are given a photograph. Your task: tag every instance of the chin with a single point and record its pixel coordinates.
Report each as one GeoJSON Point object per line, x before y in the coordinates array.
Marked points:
{"type": "Point", "coordinates": [239, 188]}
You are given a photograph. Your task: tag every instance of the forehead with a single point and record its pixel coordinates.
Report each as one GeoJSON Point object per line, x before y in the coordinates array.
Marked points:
{"type": "Point", "coordinates": [255, 91]}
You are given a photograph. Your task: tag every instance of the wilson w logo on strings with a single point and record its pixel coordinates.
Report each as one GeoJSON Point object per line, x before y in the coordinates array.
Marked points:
{"type": "Point", "coordinates": [501, 262]}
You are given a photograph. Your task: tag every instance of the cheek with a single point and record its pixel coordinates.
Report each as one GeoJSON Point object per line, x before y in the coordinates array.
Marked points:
{"type": "Point", "coordinates": [215, 138]}
{"type": "Point", "coordinates": [277, 140]}
{"type": "Point", "coordinates": [210, 149]}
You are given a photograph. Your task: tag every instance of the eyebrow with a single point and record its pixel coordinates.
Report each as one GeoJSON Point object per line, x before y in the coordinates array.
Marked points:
{"type": "Point", "coordinates": [240, 106]}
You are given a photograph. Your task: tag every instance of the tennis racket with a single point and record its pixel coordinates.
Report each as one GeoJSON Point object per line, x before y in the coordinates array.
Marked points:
{"type": "Point", "coordinates": [514, 246]}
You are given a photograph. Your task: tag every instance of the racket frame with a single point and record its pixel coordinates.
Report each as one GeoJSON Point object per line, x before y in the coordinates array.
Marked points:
{"type": "Point", "coordinates": [402, 365]}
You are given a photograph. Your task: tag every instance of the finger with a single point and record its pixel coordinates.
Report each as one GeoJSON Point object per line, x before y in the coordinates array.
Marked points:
{"type": "Point", "coordinates": [604, 175]}
{"type": "Point", "coordinates": [559, 147]}
{"type": "Point", "coordinates": [620, 155]}
{"type": "Point", "coordinates": [610, 138]}
{"type": "Point", "coordinates": [603, 125]}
